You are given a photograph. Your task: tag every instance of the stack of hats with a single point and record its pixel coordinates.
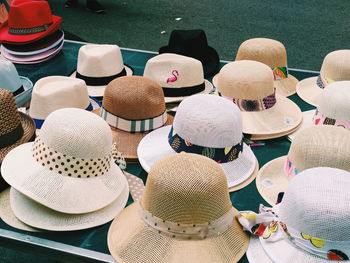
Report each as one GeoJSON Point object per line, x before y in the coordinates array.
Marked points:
{"type": "Point", "coordinates": [31, 33]}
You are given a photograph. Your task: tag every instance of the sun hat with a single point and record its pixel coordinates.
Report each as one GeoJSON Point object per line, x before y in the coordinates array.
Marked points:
{"type": "Point", "coordinates": [335, 67]}
{"type": "Point", "coordinates": [69, 168]}
{"type": "Point", "coordinates": [185, 215]}
{"type": "Point", "coordinates": [251, 85]}
{"type": "Point", "coordinates": [310, 224]}
{"type": "Point", "coordinates": [207, 125]}
{"type": "Point", "coordinates": [28, 21]}
{"type": "Point", "coordinates": [21, 87]}
{"type": "Point", "coordinates": [180, 76]}
{"type": "Point", "coordinates": [193, 43]}
{"type": "Point", "coordinates": [272, 53]}
{"type": "Point", "coordinates": [312, 147]}
{"type": "Point", "coordinates": [98, 65]}
{"type": "Point", "coordinates": [58, 92]}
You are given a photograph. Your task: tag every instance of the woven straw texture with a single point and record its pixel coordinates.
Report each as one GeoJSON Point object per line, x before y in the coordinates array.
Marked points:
{"type": "Point", "coordinates": [183, 188]}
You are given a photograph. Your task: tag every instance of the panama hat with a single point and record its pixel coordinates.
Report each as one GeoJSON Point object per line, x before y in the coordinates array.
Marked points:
{"type": "Point", "coordinates": [28, 21]}
{"type": "Point", "coordinates": [312, 147]}
{"type": "Point", "coordinates": [273, 54]}
{"type": "Point", "coordinates": [133, 106]}
{"type": "Point", "coordinates": [180, 76]}
{"type": "Point", "coordinates": [58, 92]}
{"type": "Point", "coordinates": [193, 43]}
{"type": "Point", "coordinates": [185, 215]}
{"type": "Point", "coordinates": [251, 85]}
{"type": "Point", "coordinates": [69, 168]}
{"type": "Point", "coordinates": [207, 125]}
{"type": "Point", "coordinates": [335, 67]}
{"type": "Point", "coordinates": [98, 65]}
{"type": "Point", "coordinates": [310, 224]}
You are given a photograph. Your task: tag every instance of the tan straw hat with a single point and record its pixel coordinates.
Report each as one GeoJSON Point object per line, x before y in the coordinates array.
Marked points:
{"type": "Point", "coordinates": [312, 147]}
{"type": "Point", "coordinates": [70, 167]}
{"type": "Point", "coordinates": [133, 106]}
{"type": "Point", "coordinates": [335, 67]}
{"type": "Point", "coordinates": [98, 65]}
{"type": "Point", "coordinates": [185, 215]}
{"type": "Point", "coordinates": [273, 54]}
{"type": "Point", "coordinates": [251, 85]}
{"type": "Point", "coordinates": [180, 76]}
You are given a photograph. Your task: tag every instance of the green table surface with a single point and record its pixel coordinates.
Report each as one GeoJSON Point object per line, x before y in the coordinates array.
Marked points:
{"type": "Point", "coordinates": [95, 239]}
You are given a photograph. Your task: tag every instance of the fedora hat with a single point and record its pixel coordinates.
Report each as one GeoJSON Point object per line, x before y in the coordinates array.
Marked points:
{"type": "Point", "coordinates": [310, 224]}
{"type": "Point", "coordinates": [21, 87]}
{"type": "Point", "coordinates": [74, 178]}
{"type": "Point", "coordinates": [180, 76]}
{"type": "Point", "coordinates": [133, 106]}
{"type": "Point", "coordinates": [28, 21]}
{"type": "Point", "coordinates": [98, 65]}
{"type": "Point", "coordinates": [185, 215]}
{"type": "Point", "coordinates": [58, 92]}
{"type": "Point", "coordinates": [312, 147]}
{"type": "Point", "coordinates": [207, 125]}
{"type": "Point", "coordinates": [251, 85]}
{"type": "Point", "coordinates": [273, 54]}
{"type": "Point", "coordinates": [335, 67]}
{"type": "Point", "coordinates": [193, 43]}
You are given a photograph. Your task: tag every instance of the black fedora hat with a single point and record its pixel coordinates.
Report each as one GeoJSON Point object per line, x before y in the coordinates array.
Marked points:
{"type": "Point", "coordinates": [193, 43]}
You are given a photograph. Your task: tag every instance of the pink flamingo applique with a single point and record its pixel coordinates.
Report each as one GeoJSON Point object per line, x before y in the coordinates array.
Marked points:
{"type": "Point", "coordinates": [175, 73]}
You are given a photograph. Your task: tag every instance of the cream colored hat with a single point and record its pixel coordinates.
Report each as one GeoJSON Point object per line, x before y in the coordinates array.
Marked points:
{"type": "Point", "coordinates": [273, 54]}
{"type": "Point", "coordinates": [335, 67]}
{"type": "Point", "coordinates": [180, 76]}
{"type": "Point", "coordinates": [313, 147]}
{"type": "Point", "coordinates": [98, 65]}
{"type": "Point", "coordinates": [185, 215]}
{"type": "Point", "coordinates": [58, 92]}
{"type": "Point", "coordinates": [70, 167]}
{"type": "Point", "coordinates": [251, 85]}
{"type": "Point", "coordinates": [207, 125]}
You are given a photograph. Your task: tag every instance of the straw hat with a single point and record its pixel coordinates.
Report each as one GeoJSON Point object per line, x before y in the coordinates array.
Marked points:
{"type": "Point", "coordinates": [58, 92]}
{"type": "Point", "coordinates": [185, 198]}
{"type": "Point", "coordinates": [208, 125]}
{"type": "Point", "coordinates": [180, 76]}
{"type": "Point", "coordinates": [312, 147]}
{"type": "Point", "coordinates": [251, 84]}
{"type": "Point", "coordinates": [75, 177]}
{"type": "Point", "coordinates": [335, 67]}
{"type": "Point", "coordinates": [98, 65]}
{"type": "Point", "coordinates": [273, 54]}
{"type": "Point", "coordinates": [133, 106]}
{"type": "Point", "coordinates": [21, 87]}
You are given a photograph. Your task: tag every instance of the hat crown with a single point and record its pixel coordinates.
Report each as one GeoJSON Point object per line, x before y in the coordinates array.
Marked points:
{"type": "Point", "coordinates": [268, 51]}
{"type": "Point", "coordinates": [336, 65]}
{"type": "Point", "coordinates": [186, 188]}
{"type": "Point", "coordinates": [322, 145]}
{"type": "Point", "coordinates": [246, 79]}
{"type": "Point", "coordinates": [317, 203]}
{"type": "Point", "coordinates": [188, 42]}
{"type": "Point", "coordinates": [134, 98]}
{"type": "Point", "coordinates": [9, 115]}
{"type": "Point", "coordinates": [9, 76]}
{"type": "Point", "coordinates": [88, 135]}
{"type": "Point", "coordinates": [208, 120]}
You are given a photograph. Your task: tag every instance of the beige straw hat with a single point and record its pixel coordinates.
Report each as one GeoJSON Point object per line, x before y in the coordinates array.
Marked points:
{"type": "Point", "coordinates": [133, 106]}
{"type": "Point", "coordinates": [273, 54]}
{"type": "Point", "coordinates": [335, 67]}
{"type": "Point", "coordinates": [312, 147]}
{"type": "Point", "coordinates": [75, 177]}
{"type": "Point", "coordinates": [251, 85]}
{"type": "Point", "coordinates": [180, 76]}
{"type": "Point", "coordinates": [98, 65]}
{"type": "Point", "coordinates": [185, 215]}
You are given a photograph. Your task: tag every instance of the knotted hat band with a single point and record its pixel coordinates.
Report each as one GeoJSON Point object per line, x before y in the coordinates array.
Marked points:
{"type": "Point", "coordinates": [280, 72]}
{"type": "Point", "coordinates": [11, 137]}
{"type": "Point", "coordinates": [319, 118]}
{"type": "Point", "coordinates": [99, 81]}
{"type": "Point", "coordinates": [322, 82]}
{"type": "Point", "coordinates": [185, 91]}
{"type": "Point", "coordinates": [29, 31]}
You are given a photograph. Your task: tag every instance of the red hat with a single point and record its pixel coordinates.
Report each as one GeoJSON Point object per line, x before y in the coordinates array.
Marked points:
{"type": "Point", "coordinates": [28, 21]}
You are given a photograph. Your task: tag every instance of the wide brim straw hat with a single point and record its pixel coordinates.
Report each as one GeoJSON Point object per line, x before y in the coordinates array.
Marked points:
{"type": "Point", "coordinates": [309, 91]}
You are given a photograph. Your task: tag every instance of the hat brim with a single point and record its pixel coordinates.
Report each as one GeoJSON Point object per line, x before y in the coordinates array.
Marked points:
{"type": "Point", "coordinates": [26, 95]}
{"type": "Point", "coordinates": [308, 91]}
{"type": "Point", "coordinates": [306, 123]}
{"type": "Point", "coordinates": [56, 191]}
{"type": "Point", "coordinates": [256, 252]}
{"type": "Point", "coordinates": [140, 243]}
{"type": "Point", "coordinates": [154, 146]}
{"type": "Point", "coordinates": [272, 136]}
